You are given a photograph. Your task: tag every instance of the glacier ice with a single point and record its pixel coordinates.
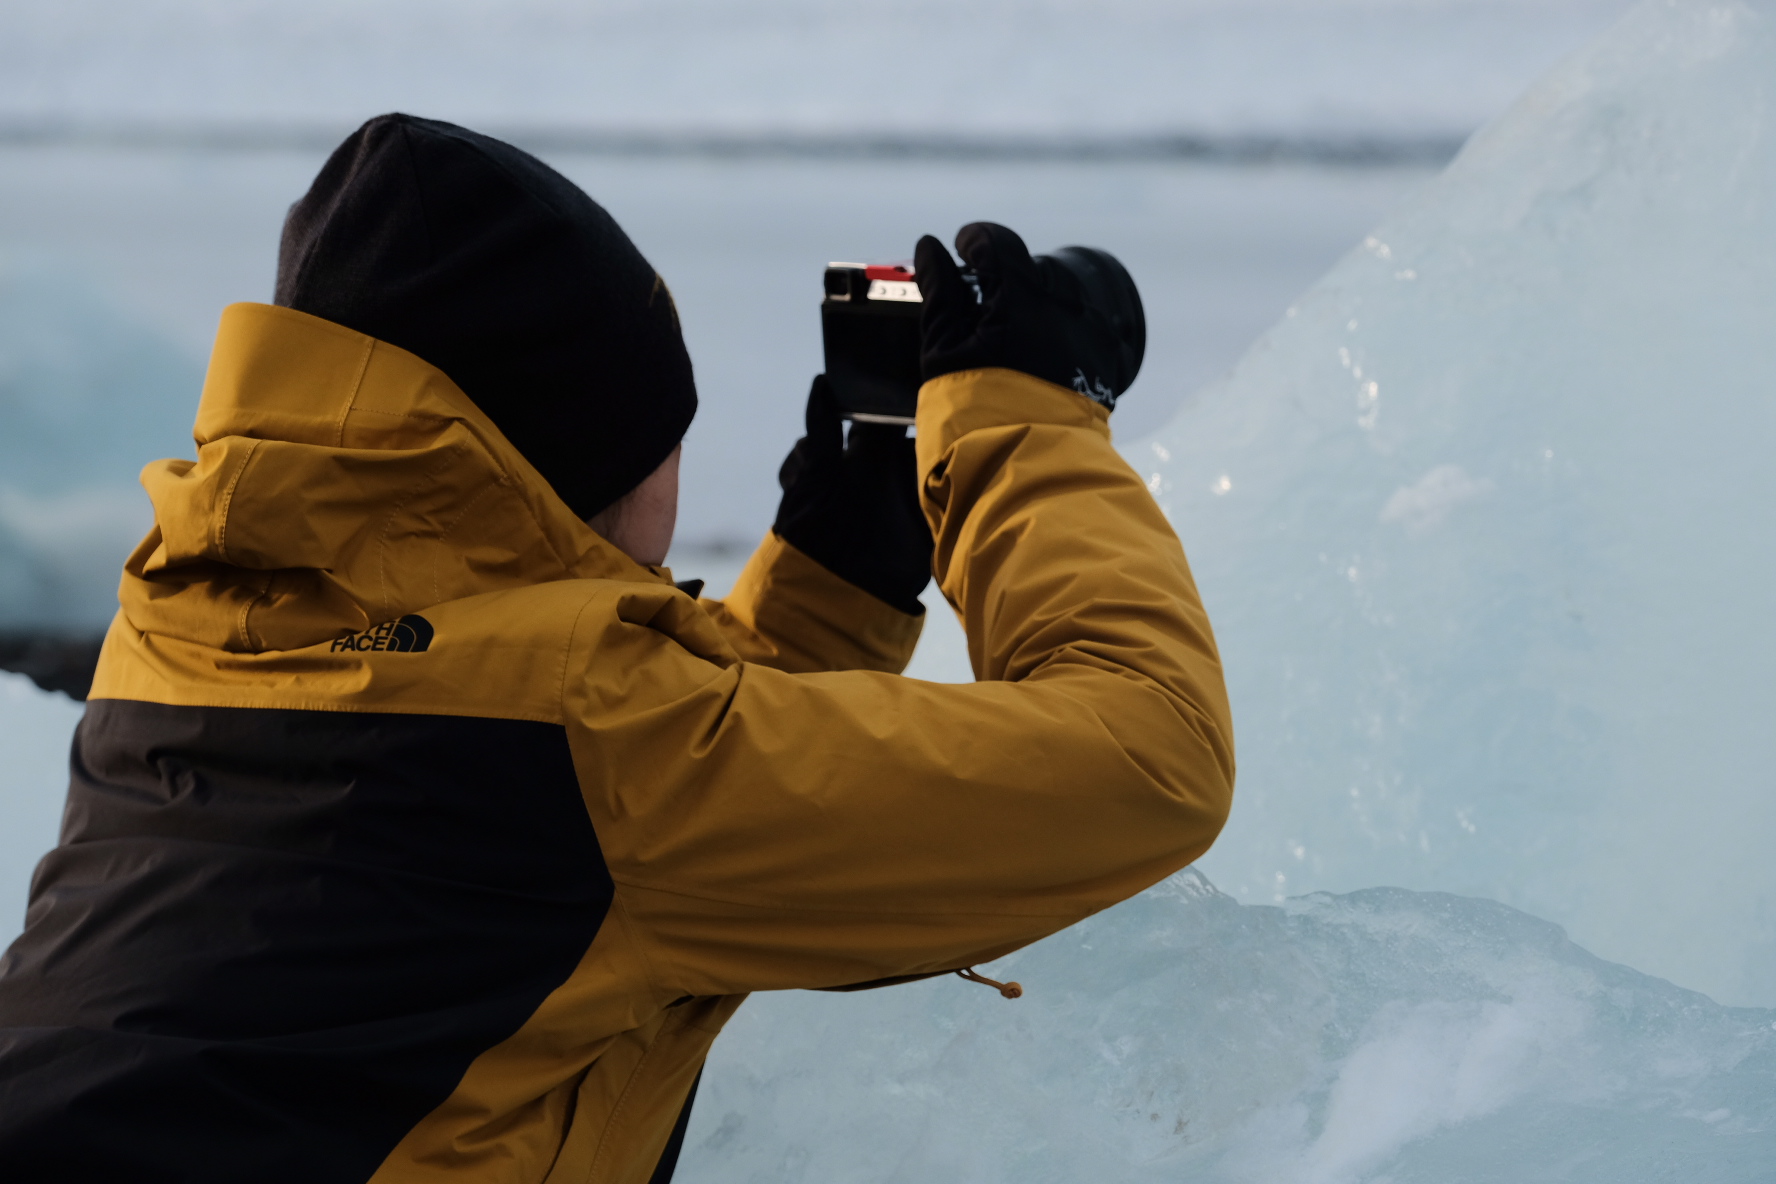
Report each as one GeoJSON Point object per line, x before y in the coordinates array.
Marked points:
{"type": "Point", "coordinates": [1380, 1035]}
{"type": "Point", "coordinates": [1483, 523]}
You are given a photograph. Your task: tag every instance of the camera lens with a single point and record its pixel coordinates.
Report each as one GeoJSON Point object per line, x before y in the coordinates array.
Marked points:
{"type": "Point", "coordinates": [1109, 292]}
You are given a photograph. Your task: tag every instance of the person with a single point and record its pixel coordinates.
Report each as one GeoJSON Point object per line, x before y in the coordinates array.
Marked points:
{"type": "Point", "coordinates": [421, 828]}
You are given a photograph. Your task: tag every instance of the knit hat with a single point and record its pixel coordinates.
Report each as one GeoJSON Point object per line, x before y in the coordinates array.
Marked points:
{"type": "Point", "coordinates": [502, 273]}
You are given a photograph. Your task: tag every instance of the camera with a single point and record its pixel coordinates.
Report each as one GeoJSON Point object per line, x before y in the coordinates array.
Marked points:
{"type": "Point", "coordinates": [869, 321]}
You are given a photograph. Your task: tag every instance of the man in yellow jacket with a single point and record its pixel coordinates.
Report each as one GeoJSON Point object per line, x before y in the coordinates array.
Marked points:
{"type": "Point", "coordinates": [420, 828]}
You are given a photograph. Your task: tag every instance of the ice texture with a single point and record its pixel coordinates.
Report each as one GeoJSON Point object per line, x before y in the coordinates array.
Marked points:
{"type": "Point", "coordinates": [1383, 1035]}
{"type": "Point", "coordinates": [1484, 523]}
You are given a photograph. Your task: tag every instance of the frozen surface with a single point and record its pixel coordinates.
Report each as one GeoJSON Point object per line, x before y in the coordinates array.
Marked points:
{"type": "Point", "coordinates": [1385, 1035]}
{"type": "Point", "coordinates": [1484, 524]}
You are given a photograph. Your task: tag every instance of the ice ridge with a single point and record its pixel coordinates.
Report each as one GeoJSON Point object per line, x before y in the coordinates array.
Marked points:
{"type": "Point", "coordinates": [1377, 1035]}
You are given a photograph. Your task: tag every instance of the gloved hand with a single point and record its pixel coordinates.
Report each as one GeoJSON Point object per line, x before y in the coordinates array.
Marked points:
{"type": "Point", "coordinates": [1073, 318]}
{"type": "Point", "coordinates": [853, 506]}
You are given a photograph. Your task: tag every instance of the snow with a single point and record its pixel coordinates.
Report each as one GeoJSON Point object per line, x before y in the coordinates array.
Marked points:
{"type": "Point", "coordinates": [1384, 1035]}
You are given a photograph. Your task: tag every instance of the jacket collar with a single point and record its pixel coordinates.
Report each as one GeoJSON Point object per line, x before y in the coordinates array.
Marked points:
{"type": "Point", "coordinates": [340, 482]}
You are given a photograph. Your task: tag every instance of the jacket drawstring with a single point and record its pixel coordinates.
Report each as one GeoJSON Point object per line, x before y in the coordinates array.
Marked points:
{"type": "Point", "coordinates": [1009, 990]}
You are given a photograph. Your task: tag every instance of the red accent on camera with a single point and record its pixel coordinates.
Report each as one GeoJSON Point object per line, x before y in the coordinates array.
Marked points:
{"type": "Point", "coordinates": [894, 271]}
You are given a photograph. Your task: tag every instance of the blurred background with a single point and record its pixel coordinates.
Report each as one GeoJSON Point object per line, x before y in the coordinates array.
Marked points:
{"type": "Point", "coordinates": [1227, 151]}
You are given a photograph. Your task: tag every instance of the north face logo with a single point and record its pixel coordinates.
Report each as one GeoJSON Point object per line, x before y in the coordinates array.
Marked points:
{"type": "Point", "coordinates": [411, 634]}
{"type": "Point", "coordinates": [1094, 389]}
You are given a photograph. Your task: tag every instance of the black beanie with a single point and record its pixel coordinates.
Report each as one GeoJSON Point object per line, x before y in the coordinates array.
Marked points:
{"type": "Point", "coordinates": [502, 273]}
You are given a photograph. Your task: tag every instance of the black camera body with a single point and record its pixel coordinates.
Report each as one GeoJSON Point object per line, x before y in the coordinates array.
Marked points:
{"type": "Point", "coordinates": [869, 322]}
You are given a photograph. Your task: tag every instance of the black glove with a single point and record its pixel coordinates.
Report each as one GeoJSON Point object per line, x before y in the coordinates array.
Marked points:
{"type": "Point", "coordinates": [852, 505]}
{"type": "Point", "coordinates": [1073, 318]}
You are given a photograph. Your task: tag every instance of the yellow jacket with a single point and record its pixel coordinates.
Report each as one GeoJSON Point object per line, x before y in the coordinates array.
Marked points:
{"type": "Point", "coordinates": [417, 834]}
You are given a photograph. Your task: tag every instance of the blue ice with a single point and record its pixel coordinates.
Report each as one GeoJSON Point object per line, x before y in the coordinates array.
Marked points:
{"type": "Point", "coordinates": [1484, 523]}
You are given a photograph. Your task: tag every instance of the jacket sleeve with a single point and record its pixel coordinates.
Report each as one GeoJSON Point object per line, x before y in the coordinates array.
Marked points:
{"type": "Point", "coordinates": [769, 829]}
{"type": "Point", "coordinates": [788, 612]}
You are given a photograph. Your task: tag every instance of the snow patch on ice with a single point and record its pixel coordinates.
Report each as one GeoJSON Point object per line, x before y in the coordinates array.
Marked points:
{"type": "Point", "coordinates": [1422, 506]}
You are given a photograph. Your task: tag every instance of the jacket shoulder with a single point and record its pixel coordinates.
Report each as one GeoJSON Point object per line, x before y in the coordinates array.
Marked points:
{"type": "Point", "coordinates": [502, 654]}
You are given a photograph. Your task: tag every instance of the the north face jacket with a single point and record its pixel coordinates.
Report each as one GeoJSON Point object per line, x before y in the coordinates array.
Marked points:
{"type": "Point", "coordinates": [416, 834]}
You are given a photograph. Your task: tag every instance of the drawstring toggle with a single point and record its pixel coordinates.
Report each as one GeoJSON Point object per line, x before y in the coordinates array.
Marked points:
{"type": "Point", "coordinates": [1009, 990]}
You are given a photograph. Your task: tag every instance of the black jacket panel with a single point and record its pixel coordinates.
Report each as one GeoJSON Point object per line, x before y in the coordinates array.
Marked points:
{"type": "Point", "coordinates": [280, 929]}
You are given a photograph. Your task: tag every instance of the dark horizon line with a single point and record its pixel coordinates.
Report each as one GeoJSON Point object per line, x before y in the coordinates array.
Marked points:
{"type": "Point", "coordinates": [1333, 149]}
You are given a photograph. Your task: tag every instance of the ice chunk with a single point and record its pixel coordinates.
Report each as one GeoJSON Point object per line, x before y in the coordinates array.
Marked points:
{"type": "Point", "coordinates": [1484, 523]}
{"type": "Point", "coordinates": [1382, 1035]}
{"type": "Point", "coordinates": [87, 398]}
